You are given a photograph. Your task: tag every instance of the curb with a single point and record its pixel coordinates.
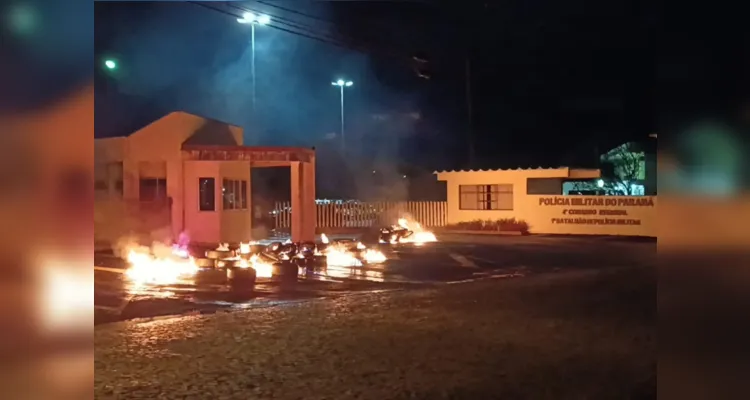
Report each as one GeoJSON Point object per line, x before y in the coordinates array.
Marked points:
{"type": "Point", "coordinates": [495, 233]}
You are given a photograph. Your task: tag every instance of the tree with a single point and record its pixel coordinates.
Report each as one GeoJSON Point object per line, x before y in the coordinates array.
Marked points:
{"type": "Point", "coordinates": [584, 188]}
{"type": "Point", "coordinates": [622, 167]}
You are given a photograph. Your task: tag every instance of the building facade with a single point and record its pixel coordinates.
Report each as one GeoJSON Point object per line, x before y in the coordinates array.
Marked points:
{"type": "Point", "coordinates": [536, 197]}
{"type": "Point", "coordinates": [188, 174]}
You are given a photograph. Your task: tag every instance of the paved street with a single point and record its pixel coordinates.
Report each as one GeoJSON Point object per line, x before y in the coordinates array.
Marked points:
{"type": "Point", "coordinates": [456, 258]}
{"type": "Point", "coordinates": [578, 334]}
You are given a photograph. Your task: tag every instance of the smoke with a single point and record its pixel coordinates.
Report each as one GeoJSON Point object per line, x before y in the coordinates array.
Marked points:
{"type": "Point", "coordinates": [183, 57]}
{"type": "Point", "coordinates": [159, 244]}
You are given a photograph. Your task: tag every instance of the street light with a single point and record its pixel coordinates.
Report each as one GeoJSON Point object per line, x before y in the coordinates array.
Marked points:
{"type": "Point", "coordinates": [110, 64]}
{"type": "Point", "coordinates": [342, 84]}
{"type": "Point", "coordinates": [252, 19]}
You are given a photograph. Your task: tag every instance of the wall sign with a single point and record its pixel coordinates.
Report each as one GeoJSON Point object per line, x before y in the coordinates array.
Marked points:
{"type": "Point", "coordinates": [587, 211]}
{"type": "Point", "coordinates": [248, 155]}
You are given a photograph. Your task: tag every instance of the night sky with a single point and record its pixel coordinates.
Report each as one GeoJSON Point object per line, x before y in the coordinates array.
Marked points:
{"type": "Point", "coordinates": [552, 83]}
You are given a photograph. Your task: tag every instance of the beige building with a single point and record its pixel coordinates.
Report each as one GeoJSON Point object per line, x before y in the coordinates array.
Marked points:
{"type": "Point", "coordinates": [536, 196]}
{"type": "Point", "coordinates": [185, 173]}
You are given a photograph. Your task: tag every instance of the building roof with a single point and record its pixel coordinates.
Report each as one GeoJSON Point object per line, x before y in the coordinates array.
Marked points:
{"type": "Point", "coordinates": [500, 170]}
{"type": "Point", "coordinates": [209, 125]}
{"type": "Point", "coordinates": [212, 132]}
{"type": "Point", "coordinates": [540, 172]}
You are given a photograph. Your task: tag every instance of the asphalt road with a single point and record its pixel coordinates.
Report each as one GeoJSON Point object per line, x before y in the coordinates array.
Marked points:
{"type": "Point", "coordinates": [456, 258]}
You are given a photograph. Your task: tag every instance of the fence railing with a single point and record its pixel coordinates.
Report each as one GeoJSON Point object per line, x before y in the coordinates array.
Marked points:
{"type": "Point", "coordinates": [365, 215]}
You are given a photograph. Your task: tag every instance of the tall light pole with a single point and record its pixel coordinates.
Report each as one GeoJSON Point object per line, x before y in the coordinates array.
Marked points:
{"type": "Point", "coordinates": [342, 84]}
{"type": "Point", "coordinates": [252, 19]}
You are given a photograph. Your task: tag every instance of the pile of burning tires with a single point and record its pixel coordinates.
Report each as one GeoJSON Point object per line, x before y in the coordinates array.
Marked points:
{"type": "Point", "coordinates": [406, 232]}
{"type": "Point", "coordinates": [281, 261]}
{"type": "Point", "coordinates": [241, 266]}
{"type": "Point", "coordinates": [394, 234]}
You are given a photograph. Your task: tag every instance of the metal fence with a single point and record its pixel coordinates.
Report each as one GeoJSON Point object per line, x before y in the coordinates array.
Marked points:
{"type": "Point", "coordinates": [364, 215]}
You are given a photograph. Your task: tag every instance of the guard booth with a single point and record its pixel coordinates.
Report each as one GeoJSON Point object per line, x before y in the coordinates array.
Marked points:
{"type": "Point", "coordinates": [206, 166]}
{"type": "Point", "coordinates": [186, 173]}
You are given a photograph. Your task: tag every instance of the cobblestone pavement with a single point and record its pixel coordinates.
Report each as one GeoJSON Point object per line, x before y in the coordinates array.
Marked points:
{"type": "Point", "coordinates": [578, 335]}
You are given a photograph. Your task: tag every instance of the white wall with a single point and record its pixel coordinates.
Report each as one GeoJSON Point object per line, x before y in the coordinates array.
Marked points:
{"type": "Point", "coordinates": [236, 224]}
{"type": "Point", "coordinates": [515, 177]}
{"type": "Point", "coordinates": [591, 215]}
{"type": "Point", "coordinates": [601, 215]}
{"type": "Point", "coordinates": [202, 226]}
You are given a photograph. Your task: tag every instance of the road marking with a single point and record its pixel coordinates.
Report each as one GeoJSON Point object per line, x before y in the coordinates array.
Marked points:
{"type": "Point", "coordinates": [463, 261]}
{"type": "Point", "coordinates": [107, 308]}
{"type": "Point", "coordinates": [484, 260]}
{"type": "Point", "coordinates": [106, 269]}
{"type": "Point", "coordinates": [484, 278]}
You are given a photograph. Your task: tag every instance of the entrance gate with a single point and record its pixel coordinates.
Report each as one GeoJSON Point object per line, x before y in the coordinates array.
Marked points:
{"type": "Point", "coordinates": [301, 162]}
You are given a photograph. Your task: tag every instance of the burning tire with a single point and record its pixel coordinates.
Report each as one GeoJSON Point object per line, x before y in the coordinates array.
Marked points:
{"type": "Point", "coordinates": [241, 279]}
{"type": "Point", "coordinates": [394, 234]}
{"type": "Point", "coordinates": [227, 263]}
{"type": "Point", "coordinates": [319, 262]}
{"type": "Point", "coordinates": [273, 248]}
{"type": "Point", "coordinates": [205, 263]}
{"type": "Point", "coordinates": [219, 254]}
{"type": "Point", "coordinates": [301, 262]}
{"type": "Point", "coordinates": [286, 271]}
{"type": "Point", "coordinates": [210, 276]}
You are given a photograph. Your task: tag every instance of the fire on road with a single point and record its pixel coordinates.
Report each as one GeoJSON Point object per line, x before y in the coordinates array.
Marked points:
{"type": "Point", "coordinates": [163, 272]}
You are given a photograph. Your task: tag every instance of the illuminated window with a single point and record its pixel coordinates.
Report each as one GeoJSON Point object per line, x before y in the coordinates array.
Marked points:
{"type": "Point", "coordinates": [207, 194]}
{"type": "Point", "coordinates": [234, 194]}
{"type": "Point", "coordinates": [485, 197]}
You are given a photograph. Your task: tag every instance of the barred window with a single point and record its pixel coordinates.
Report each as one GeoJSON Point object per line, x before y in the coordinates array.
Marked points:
{"type": "Point", "coordinates": [152, 189]}
{"type": "Point", "coordinates": [486, 197]}
{"type": "Point", "coordinates": [234, 194]}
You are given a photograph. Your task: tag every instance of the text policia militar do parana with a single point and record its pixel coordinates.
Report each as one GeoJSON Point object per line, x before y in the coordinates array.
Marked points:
{"type": "Point", "coordinates": [587, 216]}
{"type": "Point", "coordinates": [597, 201]}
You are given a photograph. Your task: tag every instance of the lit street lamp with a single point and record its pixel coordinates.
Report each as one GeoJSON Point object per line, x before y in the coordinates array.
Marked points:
{"type": "Point", "coordinates": [252, 19]}
{"type": "Point", "coordinates": [110, 64]}
{"type": "Point", "coordinates": [342, 84]}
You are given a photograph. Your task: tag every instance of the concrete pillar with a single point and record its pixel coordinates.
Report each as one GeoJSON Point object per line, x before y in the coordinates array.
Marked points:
{"type": "Point", "coordinates": [297, 201]}
{"type": "Point", "coordinates": [303, 201]}
{"type": "Point", "coordinates": [176, 191]}
{"type": "Point", "coordinates": [111, 171]}
{"type": "Point", "coordinates": [130, 180]}
{"type": "Point", "coordinates": [310, 215]}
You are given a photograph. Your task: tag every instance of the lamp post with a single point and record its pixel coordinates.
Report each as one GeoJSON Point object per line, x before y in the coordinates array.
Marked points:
{"type": "Point", "coordinates": [342, 84]}
{"type": "Point", "coordinates": [252, 19]}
